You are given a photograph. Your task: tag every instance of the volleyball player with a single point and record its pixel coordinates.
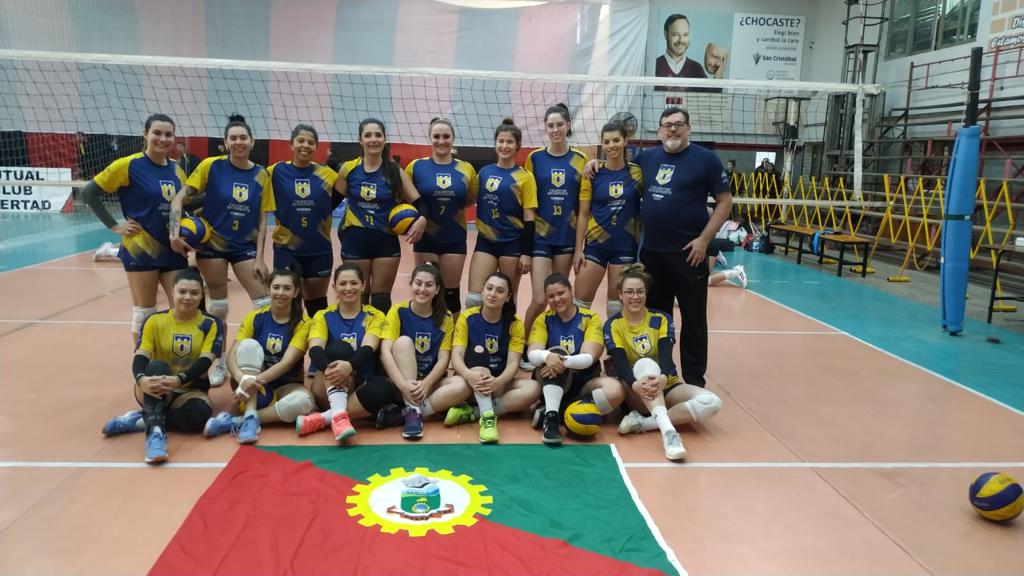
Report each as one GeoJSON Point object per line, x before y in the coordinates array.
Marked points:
{"type": "Point", "coordinates": [639, 341]}
{"type": "Point", "coordinates": [374, 184]}
{"type": "Point", "coordinates": [486, 353]}
{"type": "Point", "coordinates": [174, 352]}
{"type": "Point", "coordinates": [506, 206]}
{"type": "Point", "coordinates": [303, 199]}
{"type": "Point", "coordinates": [415, 350]}
{"type": "Point", "coordinates": [447, 187]}
{"type": "Point", "coordinates": [565, 344]}
{"type": "Point", "coordinates": [144, 183]}
{"type": "Point", "coordinates": [608, 228]}
{"type": "Point", "coordinates": [266, 363]}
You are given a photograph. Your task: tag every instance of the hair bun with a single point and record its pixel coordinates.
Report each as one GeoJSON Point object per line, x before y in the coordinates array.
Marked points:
{"type": "Point", "coordinates": [236, 117]}
{"type": "Point", "coordinates": [508, 121]}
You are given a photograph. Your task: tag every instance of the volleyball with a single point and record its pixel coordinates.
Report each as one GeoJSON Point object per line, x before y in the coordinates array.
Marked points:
{"type": "Point", "coordinates": [997, 497]}
{"type": "Point", "coordinates": [583, 418]}
{"type": "Point", "coordinates": [401, 218]}
{"type": "Point", "coordinates": [194, 231]}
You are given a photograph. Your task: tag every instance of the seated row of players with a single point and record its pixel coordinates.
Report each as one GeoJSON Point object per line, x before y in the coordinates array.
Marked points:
{"type": "Point", "coordinates": [348, 344]}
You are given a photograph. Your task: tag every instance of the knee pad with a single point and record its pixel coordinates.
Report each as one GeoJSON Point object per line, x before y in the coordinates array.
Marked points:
{"type": "Point", "coordinates": [376, 393]}
{"type": "Point", "coordinates": [218, 308]}
{"type": "Point", "coordinates": [261, 301]}
{"type": "Point", "coordinates": [293, 405]}
{"type": "Point", "coordinates": [139, 315]}
{"type": "Point", "coordinates": [249, 356]}
{"type": "Point", "coordinates": [315, 305]}
{"type": "Point", "coordinates": [453, 300]}
{"type": "Point", "coordinates": [158, 368]}
{"type": "Point", "coordinates": [703, 406]}
{"type": "Point", "coordinates": [614, 307]}
{"type": "Point", "coordinates": [338, 350]}
{"type": "Point", "coordinates": [190, 416]}
{"type": "Point", "coordinates": [582, 303]}
{"type": "Point", "coordinates": [381, 301]}
{"type": "Point", "coordinates": [474, 299]}
{"type": "Point", "coordinates": [645, 367]}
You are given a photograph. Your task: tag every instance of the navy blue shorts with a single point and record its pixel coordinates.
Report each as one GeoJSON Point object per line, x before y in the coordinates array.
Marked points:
{"type": "Point", "coordinates": [310, 265]}
{"type": "Point", "coordinates": [604, 257]}
{"type": "Point", "coordinates": [542, 249]}
{"type": "Point", "coordinates": [430, 246]}
{"type": "Point", "coordinates": [367, 244]}
{"type": "Point", "coordinates": [166, 263]}
{"type": "Point", "coordinates": [232, 256]}
{"type": "Point", "coordinates": [513, 248]}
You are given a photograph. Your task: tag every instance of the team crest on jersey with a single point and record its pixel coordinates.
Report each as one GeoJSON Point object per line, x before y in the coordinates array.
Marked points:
{"type": "Point", "coordinates": [558, 177]}
{"type": "Point", "coordinates": [422, 342]}
{"type": "Point", "coordinates": [167, 189]}
{"type": "Point", "coordinates": [492, 183]}
{"type": "Point", "coordinates": [443, 180]}
{"type": "Point", "coordinates": [302, 187]}
{"type": "Point", "coordinates": [368, 191]}
{"type": "Point", "coordinates": [615, 189]}
{"type": "Point", "coordinates": [240, 192]}
{"type": "Point", "coordinates": [642, 344]}
{"type": "Point", "coordinates": [665, 172]}
{"type": "Point", "coordinates": [181, 345]}
{"type": "Point", "coordinates": [275, 342]}
{"type": "Point", "coordinates": [491, 343]}
{"type": "Point", "coordinates": [568, 343]}
{"type": "Point", "coordinates": [350, 339]}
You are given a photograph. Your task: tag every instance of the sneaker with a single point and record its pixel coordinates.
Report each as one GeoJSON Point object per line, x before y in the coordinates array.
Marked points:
{"type": "Point", "coordinates": [124, 424]}
{"type": "Point", "coordinates": [673, 446]}
{"type": "Point", "coordinates": [342, 426]}
{"type": "Point", "coordinates": [156, 447]}
{"type": "Point", "coordinates": [741, 275]}
{"type": "Point", "coordinates": [413, 425]}
{"type": "Point", "coordinates": [249, 430]}
{"type": "Point", "coordinates": [461, 414]}
{"type": "Point", "coordinates": [488, 428]}
{"type": "Point", "coordinates": [219, 373]}
{"type": "Point", "coordinates": [552, 435]}
{"type": "Point", "coordinates": [390, 416]}
{"type": "Point", "coordinates": [222, 423]}
{"type": "Point", "coordinates": [538, 418]}
{"type": "Point", "coordinates": [632, 423]}
{"type": "Point", "coordinates": [720, 259]}
{"type": "Point", "coordinates": [309, 423]}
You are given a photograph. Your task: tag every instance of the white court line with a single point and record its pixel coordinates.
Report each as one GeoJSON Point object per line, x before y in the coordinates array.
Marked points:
{"type": "Point", "coordinates": [82, 322]}
{"type": "Point", "coordinates": [669, 553]}
{"type": "Point", "coordinates": [84, 268]}
{"type": "Point", "coordinates": [783, 332]}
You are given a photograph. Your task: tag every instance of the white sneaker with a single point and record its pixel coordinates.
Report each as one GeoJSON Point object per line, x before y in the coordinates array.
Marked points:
{"type": "Point", "coordinates": [219, 373]}
{"type": "Point", "coordinates": [632, 423]}
{"type": "Point", "coordinates": [741, 275]}
{"type": "Point", "coordinates": [673, 446]}
{"type": "Point", "coordinates": [720, 259]}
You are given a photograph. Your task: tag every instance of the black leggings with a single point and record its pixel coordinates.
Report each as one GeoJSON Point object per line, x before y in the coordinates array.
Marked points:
{"type": "Point", "coordinates": [191, 416]}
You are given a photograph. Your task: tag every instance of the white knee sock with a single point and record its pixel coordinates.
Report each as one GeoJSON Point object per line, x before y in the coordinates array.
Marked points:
{"type": "Point", "coordinates": [552, 397]}
{"type": "Point", "coordinates": [426, 408]}
{"type": "Point", "coordinates": [660, 414]}
{"type": "Point", "coordinates": [483, 401]}
{"type": "Point", "coordinates": [338, 399]}
{"type": "Point", "coordinates": [601, 401]}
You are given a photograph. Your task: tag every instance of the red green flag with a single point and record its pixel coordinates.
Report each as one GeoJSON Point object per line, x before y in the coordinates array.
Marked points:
{"type": "Point", "coordinates": [418, 509]}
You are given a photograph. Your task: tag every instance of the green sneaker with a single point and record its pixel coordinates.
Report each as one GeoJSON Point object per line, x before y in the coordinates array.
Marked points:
{"type": "Point", "coordinates": [461, 414]}
{"type": "Point", "coordinates": [488, 428]}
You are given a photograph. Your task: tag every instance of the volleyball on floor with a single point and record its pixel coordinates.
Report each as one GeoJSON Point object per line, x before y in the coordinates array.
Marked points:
{"type": "Point", "coordinates": [997, 497]}
{"type": "Point", "coordinates": [401, 218]}
{"type": "Point", "coordinates": [583, 418]}
{"type": "Point", "coordinates": [194, 231]}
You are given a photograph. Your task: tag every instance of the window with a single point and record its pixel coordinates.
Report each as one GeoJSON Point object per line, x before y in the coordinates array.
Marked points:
{"type": "Point", "coordinates": [924, 25]}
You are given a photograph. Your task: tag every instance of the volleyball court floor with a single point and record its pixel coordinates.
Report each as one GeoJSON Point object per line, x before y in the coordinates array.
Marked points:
{"type": "Point", "coordinates": [830, 456]}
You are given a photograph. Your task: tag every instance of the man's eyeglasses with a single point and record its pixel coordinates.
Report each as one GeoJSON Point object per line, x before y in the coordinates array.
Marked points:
{"type": "Point", "coordinates": [673, 125]}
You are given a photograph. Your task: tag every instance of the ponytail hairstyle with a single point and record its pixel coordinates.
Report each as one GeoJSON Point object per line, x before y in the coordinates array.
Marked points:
{"type": "Point", "coordinates": [441, 120]}
{"type": "Point", "coordinates": [563, 111]}
{"type": "Point", "coordinates": [392, 171]}
{"type": "Point", "coordinates": [635, 271]}
{"type": "Point", "coordinates": [438, 307]}
{"type": "Point", "coordinates": [295, 309]}
{"type": "Point", "coordinates": [509, 126]}
{"type": "Point", "coordinates": [508, 310]}
{"type": "Point", "coordinates": [191, 274]}
{"type": "Point", "coordinates": [236, 120]}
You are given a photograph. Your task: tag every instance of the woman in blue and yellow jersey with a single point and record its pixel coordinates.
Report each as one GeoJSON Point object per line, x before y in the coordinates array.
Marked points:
{"type": "Point", "coordinates": [266, 362]}
{"type": "Point", "coordinates": [303, 200]}
{"type": "Point", "coordinates": [566, 345]}
{"type": "Point", "coordinates": [144, 183]}
{"type": "Point", "coordinates": [343, 343]}
{"type": "Point", "coordinates": [485, 353]}
{"type": "Point", "coordinates": [558, 170]}
{"type": "Point", "coordinates": [175, 350]}
{"type": "Point", "coordinates": [640, 343]}
{"type": "Point", "coordinates": [374, 184]}
{"type": "Point", "coordinates": [505, 208]}
{"type": "Point", "coordinates": [446, 185]}
{"type": "Point", "coordinates": [608, 228]}
{"type": "Point", "coordinates": [415, 352]}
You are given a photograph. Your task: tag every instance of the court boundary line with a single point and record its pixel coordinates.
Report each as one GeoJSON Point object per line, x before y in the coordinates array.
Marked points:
{"type": "Point", "coordinates": [794, 465]}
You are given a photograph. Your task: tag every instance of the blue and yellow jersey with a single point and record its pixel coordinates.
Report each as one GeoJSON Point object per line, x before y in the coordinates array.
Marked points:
{"type": "Point", "coordinates": [560, 182]}
{"type": "Point", "coordinates": [473, 330]}
{"type": "Point", "coordinates": [144, 189]}
{"type": "Point", "coordinates": [639, 340]}
{"type": "Point", "coordinates": [614, 197]}
{"type": "Point", "coordinates": [447, 189]}
{"type": "Point", "coordinates": [329, 325]}
{"type": "Point", "coordinates": [180, 344]}
{"type": "Point", "coordinates": [301, 202]}
{"type": "Point", "coordinates": [549, 330]}
{"type": "Point", "coordinates": [276, 338]}
{"type": "Point", "coordinates": [503, 195]}
{"type": "Point", "coordinates": [234, 200]}
{"type": "Point", "coordinates": [427, 338]}
{"type": "Point", "coordinates": [370, 198]}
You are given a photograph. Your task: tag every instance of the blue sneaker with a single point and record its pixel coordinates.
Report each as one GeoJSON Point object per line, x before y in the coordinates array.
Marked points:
{"type": "Point", "coordinates": [156, 446]}
{"type": "Point", "coordinates": [124, 424]}
{"type": "Point", "coordinates": [223, 423]}
{"type": "Point", "coordinates": [413, 425]}
{"type": "Point", "coordinates": [249, 430]}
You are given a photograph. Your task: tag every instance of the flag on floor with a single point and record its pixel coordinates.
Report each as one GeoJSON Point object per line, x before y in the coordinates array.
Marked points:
{"type": "Point", "coordinates": [418, 509]}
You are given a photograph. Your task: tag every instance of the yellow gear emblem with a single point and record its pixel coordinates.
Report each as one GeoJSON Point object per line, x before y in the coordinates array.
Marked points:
{"type": "Point", "coordinates": [371, 502]}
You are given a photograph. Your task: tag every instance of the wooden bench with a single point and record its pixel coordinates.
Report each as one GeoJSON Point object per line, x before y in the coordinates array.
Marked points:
{"type": "Point", "coordinates": [805, 234]}
{"type": "Point", "coordinates": [802, 233]}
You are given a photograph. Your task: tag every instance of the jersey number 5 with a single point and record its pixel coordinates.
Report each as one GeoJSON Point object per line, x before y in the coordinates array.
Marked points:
{"type": "Point", "coordinates": [304, 222]}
